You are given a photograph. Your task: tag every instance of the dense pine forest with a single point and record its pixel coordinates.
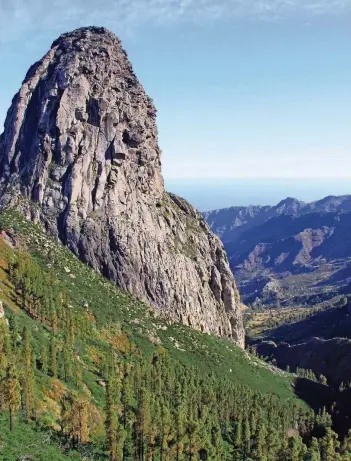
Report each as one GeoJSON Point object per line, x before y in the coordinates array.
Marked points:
{"type": "Point", "coordinates": [89, 373]}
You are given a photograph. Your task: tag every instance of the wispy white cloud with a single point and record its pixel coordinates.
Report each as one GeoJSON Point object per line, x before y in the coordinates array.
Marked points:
{"type": "Point", "coordinates": [19, 18]}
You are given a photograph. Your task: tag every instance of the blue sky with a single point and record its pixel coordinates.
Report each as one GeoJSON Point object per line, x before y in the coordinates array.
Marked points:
{"type": "Point", "coordinates": [244, 88]}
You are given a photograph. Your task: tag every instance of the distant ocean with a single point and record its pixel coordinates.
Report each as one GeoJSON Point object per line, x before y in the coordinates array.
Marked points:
{"type": "Point", "coordinates": [212, 194]}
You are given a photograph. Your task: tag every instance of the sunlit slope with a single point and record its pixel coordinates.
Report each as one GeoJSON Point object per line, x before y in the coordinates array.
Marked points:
{"type": "Point", "coordinates": [135, 323]}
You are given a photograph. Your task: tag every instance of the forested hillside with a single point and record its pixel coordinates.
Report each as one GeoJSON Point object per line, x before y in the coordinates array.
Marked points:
{"type": "Point", "coordinates": [89, 372]}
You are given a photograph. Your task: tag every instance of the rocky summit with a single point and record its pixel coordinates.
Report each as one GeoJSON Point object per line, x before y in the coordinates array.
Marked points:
{"type": "Point", "coordinates": [80, 155]}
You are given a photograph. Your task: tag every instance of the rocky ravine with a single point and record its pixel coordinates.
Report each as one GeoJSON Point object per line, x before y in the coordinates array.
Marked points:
{"type": "Point", "coordinates": [80, 154]}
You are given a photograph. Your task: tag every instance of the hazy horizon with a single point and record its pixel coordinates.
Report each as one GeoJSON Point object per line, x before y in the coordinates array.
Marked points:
{"type": "Point", "coordinates": [211, 194]}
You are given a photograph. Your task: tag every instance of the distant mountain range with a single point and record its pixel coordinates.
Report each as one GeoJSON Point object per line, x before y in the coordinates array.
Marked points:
{"type": "Point", "coordinates": [294, 252]}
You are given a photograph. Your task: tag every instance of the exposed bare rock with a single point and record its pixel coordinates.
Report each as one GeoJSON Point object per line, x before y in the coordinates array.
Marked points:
{"type": "Point", "coordinates": [80, 154]}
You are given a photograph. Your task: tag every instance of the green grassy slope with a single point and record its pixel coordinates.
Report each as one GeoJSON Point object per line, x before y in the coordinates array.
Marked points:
{"type": "Point", "coordinates": [119, 324]}
{"type": "Point", "coordinates": [114, 308]}
{"type": "Point", "coordinates": [26, 440]}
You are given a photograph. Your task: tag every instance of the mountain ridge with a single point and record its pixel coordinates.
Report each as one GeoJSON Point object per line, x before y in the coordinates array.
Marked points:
{"type": "Point", "coordinates": [218, 221]}
{"type": "Point", "coordinates": [293, 250]}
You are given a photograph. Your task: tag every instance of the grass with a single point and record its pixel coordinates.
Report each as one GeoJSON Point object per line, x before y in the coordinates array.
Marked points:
{"type": "Point", "coordinates": [27, 442]}
{"type": "Point", "coordinates": [122, 321]}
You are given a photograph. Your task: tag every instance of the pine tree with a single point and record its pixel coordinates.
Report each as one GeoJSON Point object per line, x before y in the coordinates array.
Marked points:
{"type": "Point", "coordinates": [193, 438]}
{"type": "Point", "coordinates": [28, 376]}
{"type": "Point", "coordinates": [238, 440]}
{"type": "Point", "coordinates": [143, 423]}
{"type": "Point", "coordinates": [127, 411]}
{"type": "Point", "coordinates": [70, 326]}
{"type": "Point", "coordinates": [246, 437]}
{"type": "Point", "coordinates": [313, 453]}
{"type": "Point", "coordinates": [12, 390]}
{"type": "Point", "coordinates": [5, 345]}
{"type": "Point", "coordinates": [53, 319]}
{"type": "Point", "coordinates": [273, 441]}
{"type": "Point", "coordinates": [75, 417]}
{"type": "Point", "coordinates": [295, 449]}
{"type": "Point", "coordinates": [44, 359]}
{"type": "Point", "coordinates": [260, 448]}
{"type": "Point", "coordinates": [81, 412]}
{"type": "Point", "coordinates": [53, 358]}
{"type": "Point", "coordinates": [216, 440]}
{"type": "Point", "coordinates": [14, 332]}
{"type": "Point", "coordinates": [163, 423]}
{"type": "Point", "coordinates": [115, 433]}
{"type": "Point", "coordinates": [154, 430]}
{"type": "Point", "coordinates": [180, 421]}
{"type": "Point", "coordinates": [126, 397]}
{"type": "Point", "coordinates": [67, 364]}
{"type": "Point", "coordinates": [111, 420]}
{"type": "Point", "coordinates": [78, 374]}
{"type": "Point", "coordinates": [329, 444]}
{"type": "Point", "coordinates": [346, 444]}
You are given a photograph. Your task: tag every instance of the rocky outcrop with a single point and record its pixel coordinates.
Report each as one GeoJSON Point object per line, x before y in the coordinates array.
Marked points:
{"type": "Point", "coordinates": [80, 154]}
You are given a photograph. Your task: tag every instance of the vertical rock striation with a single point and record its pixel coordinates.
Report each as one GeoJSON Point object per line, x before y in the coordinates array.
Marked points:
{"type": "Point", "coordinates": [80, 155]}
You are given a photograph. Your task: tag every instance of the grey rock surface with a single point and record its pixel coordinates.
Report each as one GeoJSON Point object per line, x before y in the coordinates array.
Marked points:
{"type": "Point", "coordinates": [80, 155]}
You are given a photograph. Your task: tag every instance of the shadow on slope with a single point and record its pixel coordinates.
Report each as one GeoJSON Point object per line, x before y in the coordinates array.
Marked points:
{"type": "Point", "coordinates": [320, 396]}
{"type": "Point", "coordinates": [331, 323]}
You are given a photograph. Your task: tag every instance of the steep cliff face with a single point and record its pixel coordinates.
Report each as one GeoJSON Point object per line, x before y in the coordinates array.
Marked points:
{"type": "Point", "coordinates": [80, 155]}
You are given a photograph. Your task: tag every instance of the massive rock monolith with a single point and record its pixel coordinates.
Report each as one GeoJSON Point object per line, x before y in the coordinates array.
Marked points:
{"type": "Point", "coordinates": [80, 155]}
